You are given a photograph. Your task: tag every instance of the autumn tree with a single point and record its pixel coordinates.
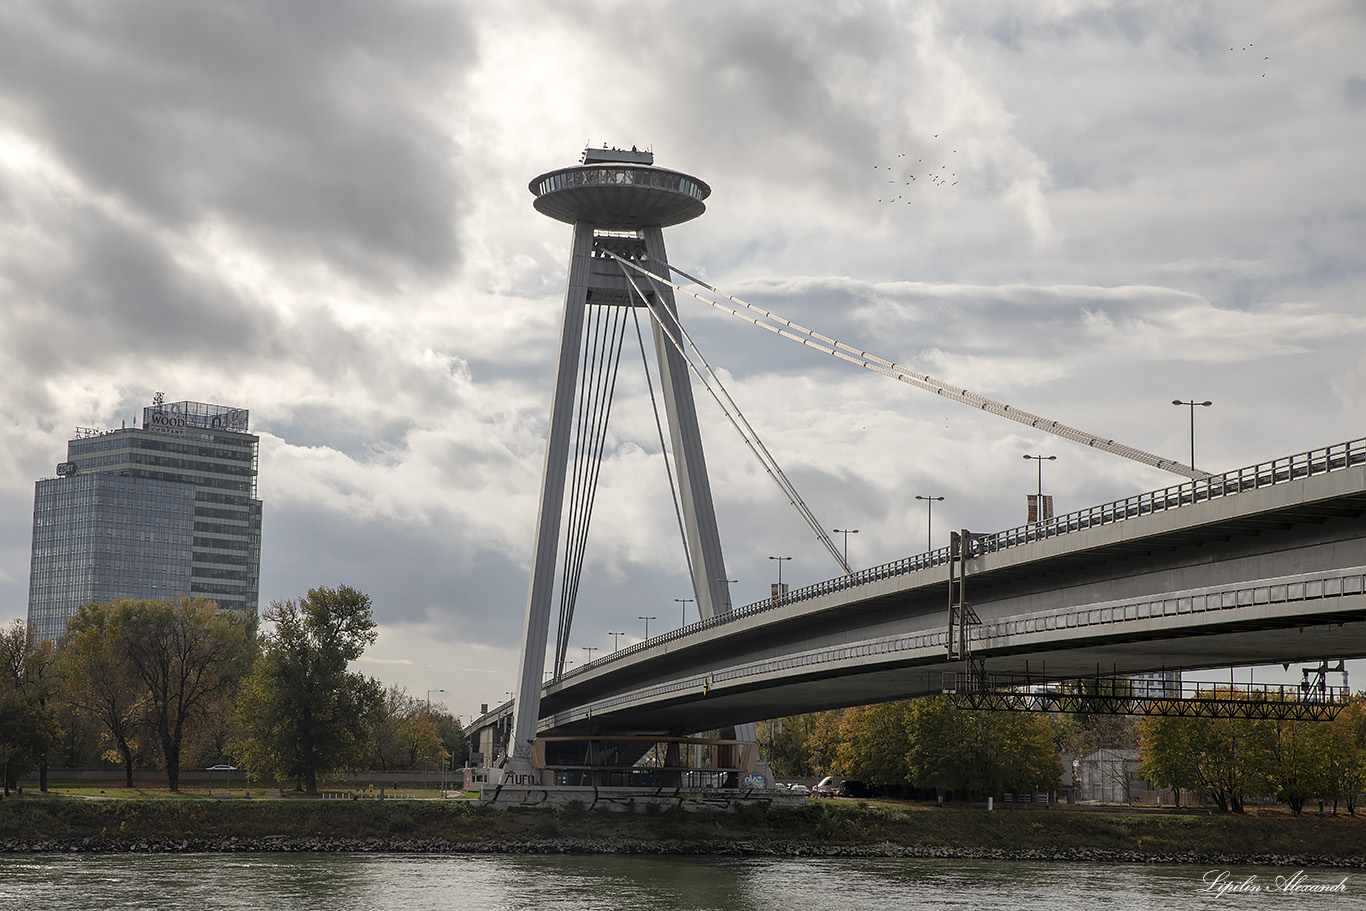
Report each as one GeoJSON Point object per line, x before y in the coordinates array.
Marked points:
{"type": "Point", "coordinates": [303, 711]}
{"type": "Point", "coordinates": [452, 736]}
{"type": "Point", "coordinates": [184, 657]}
{"type": "Point", "coordinates": [869, 743]}
{"type": "Point", "coordinates": [405, 732]}
{"type": "Point", "coordinates": [98, 679]}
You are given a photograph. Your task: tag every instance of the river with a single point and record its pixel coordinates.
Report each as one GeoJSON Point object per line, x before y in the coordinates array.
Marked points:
{"type": "Point", "coordinates": [376, 882]}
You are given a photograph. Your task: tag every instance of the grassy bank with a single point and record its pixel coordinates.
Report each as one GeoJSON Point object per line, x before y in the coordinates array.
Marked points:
{"type": "Point", "coordinates": [820, 827]}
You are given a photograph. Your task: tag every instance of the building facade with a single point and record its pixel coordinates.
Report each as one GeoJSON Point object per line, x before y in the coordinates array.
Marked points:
{"type": "Point", "coordinates": [161, 511]}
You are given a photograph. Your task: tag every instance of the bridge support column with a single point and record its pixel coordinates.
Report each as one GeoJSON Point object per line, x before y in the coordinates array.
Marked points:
{"type": "Point", "coordinates": [526, 710]}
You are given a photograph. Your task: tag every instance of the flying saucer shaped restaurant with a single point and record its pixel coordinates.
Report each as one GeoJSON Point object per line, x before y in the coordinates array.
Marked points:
{"type": "Point", "coordinates": [619, 195]}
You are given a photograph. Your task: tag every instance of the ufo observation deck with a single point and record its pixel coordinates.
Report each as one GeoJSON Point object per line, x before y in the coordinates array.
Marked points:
{"type": "Point", "coordinates": [619, 191]}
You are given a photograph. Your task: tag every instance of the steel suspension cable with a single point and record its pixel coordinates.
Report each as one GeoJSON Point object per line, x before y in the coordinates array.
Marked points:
{"type": "Point", "coordinates": [827, 345]}
{"type": "Point", "coordinates": [663, 451]}
{"type": "Point", "coordinates": [588, 461]}
{"type": "Point", "coordinates": [585, 401]}
{"type": "Point", "coordinates": [601, 361]}
{"type": "Point", "coordinates": [740, 423]}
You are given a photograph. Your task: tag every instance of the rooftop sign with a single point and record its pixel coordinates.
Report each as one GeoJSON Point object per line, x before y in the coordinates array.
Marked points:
{"type": "Point", "coordinates": [177, 416]}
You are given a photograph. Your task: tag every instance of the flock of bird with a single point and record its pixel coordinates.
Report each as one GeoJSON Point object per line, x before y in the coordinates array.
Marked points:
{"type": "Point", "coordinates": [903, 180]}
{"type": "Point", "coordinates": [1248, 48]}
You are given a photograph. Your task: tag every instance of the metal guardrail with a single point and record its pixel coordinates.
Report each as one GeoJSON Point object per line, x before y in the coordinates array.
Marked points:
{"type": "Point", "coordinates": [1266, 474]}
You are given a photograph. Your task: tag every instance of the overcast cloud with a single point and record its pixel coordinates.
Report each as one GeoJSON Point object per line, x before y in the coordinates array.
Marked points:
{"type": "Point", "coordinates": [318, 211]}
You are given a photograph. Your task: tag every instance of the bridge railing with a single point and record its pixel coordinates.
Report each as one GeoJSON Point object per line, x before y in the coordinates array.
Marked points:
{"type": "Point", "coordinates": [1265, 474]}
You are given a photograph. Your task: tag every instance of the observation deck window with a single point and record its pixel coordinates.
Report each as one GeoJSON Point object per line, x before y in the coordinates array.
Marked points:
{"type": "Point", "coordinates": [640, 177]}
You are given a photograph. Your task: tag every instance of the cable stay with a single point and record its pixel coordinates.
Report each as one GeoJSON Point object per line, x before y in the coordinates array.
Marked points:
{"type": "Point", "coordinates": [712, 383]}
{"type": "Point", "coordinates": [664, 451]}
{"type": "Point", "coordinates": [597, 380]}
{"type": "Point", "coordinates": [812, 339]}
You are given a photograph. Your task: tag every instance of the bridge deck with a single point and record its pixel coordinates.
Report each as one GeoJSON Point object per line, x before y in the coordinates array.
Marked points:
{"type": "Point", "coordinates": [1258, 566]}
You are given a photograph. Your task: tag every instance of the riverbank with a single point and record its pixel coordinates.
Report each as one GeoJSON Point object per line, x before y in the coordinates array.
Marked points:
{"type": "Point", "coordinates": [822, 828]}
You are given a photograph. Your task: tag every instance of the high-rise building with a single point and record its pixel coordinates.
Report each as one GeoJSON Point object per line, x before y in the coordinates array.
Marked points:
{"type": "Point", "coordinates": [165, 510]}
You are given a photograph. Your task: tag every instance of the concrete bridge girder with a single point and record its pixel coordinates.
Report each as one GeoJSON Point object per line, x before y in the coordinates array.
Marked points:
{"type": "Point", "coordinates": [1309, 528]}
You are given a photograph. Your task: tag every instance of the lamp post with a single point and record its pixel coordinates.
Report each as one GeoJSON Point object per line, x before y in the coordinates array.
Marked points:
{"type": "Point", "coordinates": [590, 649]}
{"type": "Point", "coordinates": [846, 532]}
{"type": "Point", "coordinates": [683, 605]}
{"type": "Point", "coordinates": [929, 519]}
{"type": "Point", "coordinates": [1192, 405]}
{"type": "Point", "coordinates": [616, 638]}
{"type": "Point", "coordinates": [647, 624]}
{"type": "Point", "coordinates": [1038, 514]}
{"type": "Point", "coordinates": [729, 583]}
{"type": "Point", "coordinates": [429, 698]}
{"type": "Point", "coordinates": [780, 570]}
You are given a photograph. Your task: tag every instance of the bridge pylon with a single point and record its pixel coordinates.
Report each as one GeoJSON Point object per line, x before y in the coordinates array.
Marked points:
{"type": "Point", "coordinates": [618, 203]}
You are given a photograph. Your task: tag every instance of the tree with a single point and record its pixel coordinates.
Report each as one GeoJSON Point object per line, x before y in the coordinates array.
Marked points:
{"type": "Point", "coordinates": [184, 657]}
{"type": "Point", "coordinates": [98, 679]}
{"type": "Point", "coordinates": [1225, 758]}
{"type": "Point", "coordinates": [1341, 747]}
{"type": "Point", "coordinates": [305, 713]}
{"type": "Point", "coordinates": [452, 737]}
{"type": "Point", "coordinates": [386, 751]}
{"type": "Point", "coordinates": [1296, 765]}
{"type": "Point", "coordinates": [28, 726]}
{"type": "Point", "coordinates": [983, 752]}
{"type": "Point", "coordinates": [785, 743]}
{"type": "Point", "coordinates": [871, 743]}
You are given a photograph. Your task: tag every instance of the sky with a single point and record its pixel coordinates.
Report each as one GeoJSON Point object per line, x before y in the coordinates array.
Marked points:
{"type": "Point", "coordinates": [318, 210]}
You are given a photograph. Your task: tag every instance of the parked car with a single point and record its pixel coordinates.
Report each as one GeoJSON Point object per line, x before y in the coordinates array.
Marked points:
{"type": "Point", "coordinates": [826, 787]}
{"type": "Point", "coordinates": [799, 788]}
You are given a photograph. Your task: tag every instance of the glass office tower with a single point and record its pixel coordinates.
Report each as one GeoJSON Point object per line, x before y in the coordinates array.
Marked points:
{"type": "Point", "coordinates": [161, 511]}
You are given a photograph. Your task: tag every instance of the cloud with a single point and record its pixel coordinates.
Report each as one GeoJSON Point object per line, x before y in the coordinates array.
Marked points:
{"type": "Point", "coordinates": [320, 212]}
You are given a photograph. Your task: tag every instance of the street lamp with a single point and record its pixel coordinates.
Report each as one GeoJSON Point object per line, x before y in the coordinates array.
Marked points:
{"type": "Point", "coordinates": [647, 624]}
{"type": "Point", "coordinates": [616, 637]}
{"type": "Point", "coordinates": [846, 532]}
{"type": "Point", "coordinates": [683, 605]}
{"type": "Point", "coordinates": [929, 519]}
{"type": "Point", "coordinates": [429, 699]}
{"type": "Point", "coordinates": [729, 583]}
{"type": "Point", "coordinates": [780, 571]}
{"type": "Point", "coordinates": [1038, 509]}
{"type": "Point", "coordinates": [1192, 405]}
{"type": "Point", "coordinates": [590, 649]}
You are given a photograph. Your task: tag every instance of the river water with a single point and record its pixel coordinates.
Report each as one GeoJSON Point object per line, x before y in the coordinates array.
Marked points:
{"type": "Point", "coordinates": [377, 882]}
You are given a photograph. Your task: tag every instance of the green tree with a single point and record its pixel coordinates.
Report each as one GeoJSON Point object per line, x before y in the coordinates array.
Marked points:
{"type": "Point", "coordinates": [1295, 763]}
{"type": "Point", "coordinates": [185, 658]}
{"type": "Point", "coordinates": [28, 725]}
{"type": "Point", "coordinates": [1342, 745]}
{"type": "Point", "coordinates": [304, 712]}
{"type": "Point", "coordinates": [784, 741]}
{"type": "Point", "coordinates": [1224, 758]}
{"type": "Point", "coordinates": [981, 752]}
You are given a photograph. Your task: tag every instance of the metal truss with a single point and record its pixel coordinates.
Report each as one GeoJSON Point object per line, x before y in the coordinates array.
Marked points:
{"type": "Point", "coordinates": [1118, 696]}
